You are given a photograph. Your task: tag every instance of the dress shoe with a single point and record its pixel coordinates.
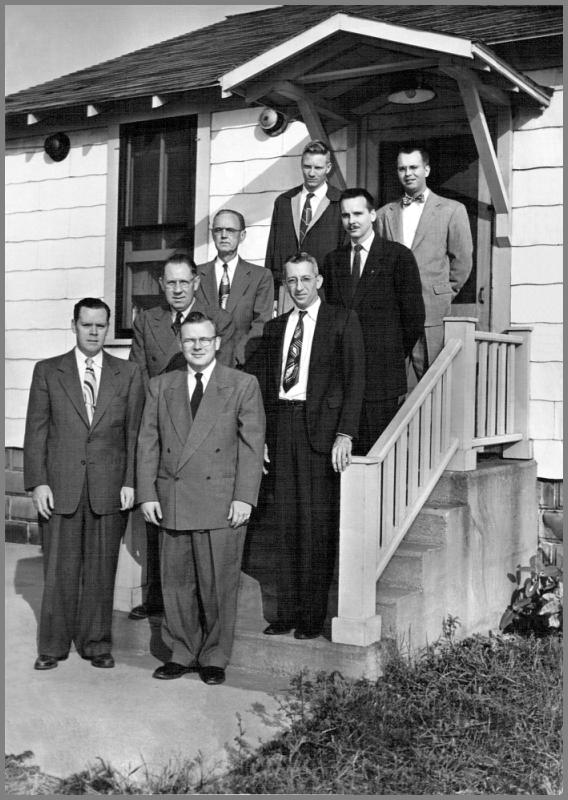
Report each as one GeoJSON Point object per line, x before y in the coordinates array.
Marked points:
{"type": "Point", "coordinates": [278, 628]}
{"type": "Point", "coordinates": [300, 634]}
{"type": "Point", "coordinates": [104, 661]}
{"type": "Point", "coordinates": [143, 612]}
{"type": "Point", "coordinates": [212, 675]}
{"type": "Point", "coordinates": [47, 662]}
{"type": "Point", "coordinates": [172, 670]}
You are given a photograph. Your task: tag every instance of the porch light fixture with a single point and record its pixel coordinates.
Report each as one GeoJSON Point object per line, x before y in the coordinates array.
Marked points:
{"type": "Point", "coordinates": [57, 146]}
{"type": "Point", "coordinates": [411, 91]}
{"type": "Point", "coordinates": [272, 122]}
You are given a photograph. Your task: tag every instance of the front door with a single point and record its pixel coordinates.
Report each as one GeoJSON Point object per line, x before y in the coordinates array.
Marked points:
{"type": "Point", "coordinates": [455, 173]}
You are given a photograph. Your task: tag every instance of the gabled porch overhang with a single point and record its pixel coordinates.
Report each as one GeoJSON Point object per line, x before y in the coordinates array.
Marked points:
{"type": "Point", "coordinates": [337, 72]}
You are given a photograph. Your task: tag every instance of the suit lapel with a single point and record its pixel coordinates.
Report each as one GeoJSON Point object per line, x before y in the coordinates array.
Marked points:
{"type": "Point", "coordinates": [373, 265]}
{"type": "Point", "coordinates": [280, 326]}
{"type": "Point", "coordinates": [160, 322]}
{"type": "Point", "coordinates": [71, 384]}
{"type": "Point", "coordinates": [177, 401]}
{"type": "Point", "coordinates": [319, 211]}
{"type": "Point", "coordinates": [425, 218]}
{"type": "Point", "coordinates": [394, 221]}
{"type": "Point", "coordinates": [215, 397]}
{"type": "Point", "coordinates": [320, 343]}
{"type": "Point", "coordinates": [241, 280]}
{"type": "Point", "coordinates": [208, 283]}
{"type": "Point", "coordinates": [296, 212]}
{"type": "Point", "coordinates": [343, 276]}
{"type": "Point", "coordinates": [106, 390]}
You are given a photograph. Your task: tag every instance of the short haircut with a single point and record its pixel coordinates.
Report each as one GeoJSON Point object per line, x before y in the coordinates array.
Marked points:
{"type": "Point", "coordinates": [196, 317]}
{"type": "Point", "coordinates": [357, 191]}
{"type": "Point", "coordinates": [302, 257]}
{"type": "Point", "coordinates": [317, 147]}
{"type": "Point", "coordinates": [180, 257]}
{"type": "Point", "coordinates": [413, 148]}
{"type": "Point", "coordinates": [237, 214]}
{"type": "Point", "coordinates": [89, 302]}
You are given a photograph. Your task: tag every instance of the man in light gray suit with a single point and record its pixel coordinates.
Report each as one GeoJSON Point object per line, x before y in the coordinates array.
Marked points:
{"type": "Point", "coordinates": [437, 231]}
{"type": "Point", "coordinates": [200, 458]}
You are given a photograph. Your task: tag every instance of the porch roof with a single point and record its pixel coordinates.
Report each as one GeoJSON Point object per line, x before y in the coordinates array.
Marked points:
{"type": "Point", "coordinates": [193, 61]}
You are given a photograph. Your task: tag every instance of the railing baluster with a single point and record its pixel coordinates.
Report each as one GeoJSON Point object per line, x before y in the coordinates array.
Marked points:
{"type": "Point", "coordinates": [425, 433]}
{"type": "Point", "coordinates": [436, 424]}
{"type": "Point", "coordinates": [400, 480]}
{"type": "Point", "coordinates": [481, 391]}
{"type": "Point", "coordinates": [491, 390]}
{"type": "Point", "coordinates": [413, 449]}
{"type": "Point", "coordinates": [388, 498]}
{"type": "Point", "coordinates": [510, 422]}
{"type": "Point", "coordinates": [501, 387]}
{"type": "Point", "coordinates": [446, 406]}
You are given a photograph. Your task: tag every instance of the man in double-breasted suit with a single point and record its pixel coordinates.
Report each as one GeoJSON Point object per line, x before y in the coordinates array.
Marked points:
{"type": "Point", "coordinates": [310, 365]}
{"type": "Point", "coordinates": [200, 456]}
{"type": "Point", "coordinates": [438, 232]}
{"type": "Point", "coordinates": [79, 462]}
{"type": "Point", "coordinates": [156, 348]}
{"type": "Point", "coordinates": [244, 290]}
{"type": "Point", "coordinates": [380, 281]}
{"type": "Point", "coordinates": [306, 217]}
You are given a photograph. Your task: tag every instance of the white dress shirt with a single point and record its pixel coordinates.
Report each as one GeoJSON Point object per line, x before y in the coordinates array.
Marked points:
{"type": "Point", "coordinates": [82, 366]}
{"type": "Point", "coordinates": [410, 218]}
{"type": "Point", "coordinates": [366, 245]}
{"type": "Point", "coordinates": [205, 375]}
{"type": "Point", "coordinates": [318, 196]}
{"type": "Point", "coordinates": [183, 313]}
{"type": "Point", "coordinates": [298, 391]}
{"type": "Point", "coordinates": [231, 267]}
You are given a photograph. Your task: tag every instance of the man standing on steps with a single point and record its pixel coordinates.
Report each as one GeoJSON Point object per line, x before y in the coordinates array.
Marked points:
{"type": "Point", "coordinates": [305, 218]}
{"type": "Point", "coordinates": [156, 348]}
{"type": "Point", "coordinates": [200, 455]}
{"type": "Point", "coordinates": [244, 290]}
{"type": "Point", "coordinates": [310, 366]}
{"type": "Point", "coordinates": [79, 461]}
{"type": "Point", "coordinates": [438, 232]}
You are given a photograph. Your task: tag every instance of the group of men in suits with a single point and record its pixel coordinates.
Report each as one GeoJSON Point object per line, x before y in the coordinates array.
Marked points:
{"type": "Point", "coordinates": [211, 369]}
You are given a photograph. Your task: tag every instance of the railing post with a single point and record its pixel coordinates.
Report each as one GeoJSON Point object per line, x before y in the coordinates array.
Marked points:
{"type": "Point", "coordinates": [462, 424]}
{"type": "Point", "coordinates": [356, 622]}
{"type": "Point", "coordinates": [524, 447]}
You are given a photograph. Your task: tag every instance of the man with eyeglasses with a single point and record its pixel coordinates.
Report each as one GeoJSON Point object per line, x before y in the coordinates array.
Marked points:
{"type": "Point", "coordinates": [311, 369]}
{"type": "Point", "coordinates": [244, 290]}
{"type": "Point", "coordinates": [199, 466]}
{"type": "Point", "coordinates": [156, 348]}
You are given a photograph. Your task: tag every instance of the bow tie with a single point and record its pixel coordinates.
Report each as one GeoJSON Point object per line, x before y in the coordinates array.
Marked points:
{"type": "Point", "coordinates": [407, 199]}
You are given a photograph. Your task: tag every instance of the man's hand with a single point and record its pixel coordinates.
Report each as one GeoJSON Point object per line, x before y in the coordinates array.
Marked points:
{"type": "Point", "coordinates": [239, 513]}
{"type": "Point", "coordinates": [266, 461]}
{"type": "Point", "coordinates": [126, 498]}
{"type": "Point", "coordinates": [152, 512]}
{"type": "Point", "coordinates": [341, 453]}
{"type": "Point", "coordinates": [42, 498]}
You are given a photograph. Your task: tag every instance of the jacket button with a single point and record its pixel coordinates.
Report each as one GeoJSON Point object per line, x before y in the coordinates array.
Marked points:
{"type": "Point", "coordinates": [208, 478]}
{"type": "Point", "coordinates": [168, 450]}
{"type": "Point", "coordinates": [176, 478]}
{"type": "Point", "coordinates": [83, 463]}
{"type": "Point", "coordinates": [218, 450]}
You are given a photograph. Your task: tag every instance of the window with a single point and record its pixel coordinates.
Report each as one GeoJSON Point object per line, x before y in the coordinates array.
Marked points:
{"type": "Point", "coordinates": [156, 209]}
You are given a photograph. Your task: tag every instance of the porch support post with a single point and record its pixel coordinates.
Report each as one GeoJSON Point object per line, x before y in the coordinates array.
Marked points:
{"type": "Point", "coordinates": [462, 423]}
{"type": "Point", "coordinates": [524, 447]}
{"type": "Point", "coordinates": [357, 622]}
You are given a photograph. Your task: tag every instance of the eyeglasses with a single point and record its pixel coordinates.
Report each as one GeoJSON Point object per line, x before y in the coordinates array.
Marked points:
{"type": "Point", "coordinates": [203, 341]}
{"type": "Point", "coordinates": [230, 231]}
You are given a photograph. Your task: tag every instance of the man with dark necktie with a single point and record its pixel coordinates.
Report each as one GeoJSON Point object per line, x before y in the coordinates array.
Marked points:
{"type": "Point", "coordinates": [199, 466]}
{"type": "Point", "coordinates": [310, 366]}
{"type": "Point", "coordinates": [79, 452]}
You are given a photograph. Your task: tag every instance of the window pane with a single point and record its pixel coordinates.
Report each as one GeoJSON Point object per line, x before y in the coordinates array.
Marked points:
{"type": "Point", "coordinates": [144, 179]}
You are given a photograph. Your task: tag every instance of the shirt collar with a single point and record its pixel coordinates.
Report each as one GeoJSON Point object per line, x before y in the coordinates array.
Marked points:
{"type": "Point", "coordinates": [232, 264]}
{"type": "Point", "coordinates": [183, 313]}
{"type": "Point", "coordinates": [312, 311]}
{"type": "Point", "coordinates": [366, 244]}
{"type": "Point", "coordinates": [426, 192]}
{"type": "Point", "coordinates": [81, 358]}
{"type": "Point", "coordinates": [319, 193]}
{"type": "Point", "coordinates": [206, 372]}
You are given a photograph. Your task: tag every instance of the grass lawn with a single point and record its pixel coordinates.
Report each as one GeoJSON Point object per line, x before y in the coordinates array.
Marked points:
{"type": "Point", "coordinates": [478, 716]}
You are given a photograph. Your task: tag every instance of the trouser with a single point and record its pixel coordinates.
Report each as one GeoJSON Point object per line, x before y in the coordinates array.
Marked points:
{"type": "Point", "coordinates": [425, 351]}
{"type": "Point", "coordinates": [375, 416]}
{"type": "Point", "coordinates": [306, 497]}
{"type": "Point", "coordinates": [153, 599]}
{"type": "Point", "coordinates": [80, 557]}
{"type": "Point", "coordinates": [200, 583]}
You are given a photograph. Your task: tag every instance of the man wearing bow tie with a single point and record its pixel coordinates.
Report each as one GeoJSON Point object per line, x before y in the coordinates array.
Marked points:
{"type": "Point", "coordinates": [380, 281]}
{"type": "Point", "coordinates": [437, 231]}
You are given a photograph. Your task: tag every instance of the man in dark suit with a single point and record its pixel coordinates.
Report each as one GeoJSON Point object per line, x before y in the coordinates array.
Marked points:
{"type": "Point", "coordinates": [156, 348]}
{"type": "Point", "coordinates": [244, 290]}
{"type": "Point", "coordinates": [306, 217]}
{"type": "Point", "coordinates": [380, 281]}
{"type": "Point", "coordinates": [200, 455]}
{"type": "Point", "coordinates": [438, 232]}
{"type": "Point", "coordinates": [79, 449]}
{"type": "Point", "coordinates": [310, 366]}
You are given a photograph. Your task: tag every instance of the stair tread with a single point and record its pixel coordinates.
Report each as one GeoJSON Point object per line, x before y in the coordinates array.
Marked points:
{"type": "Point", "coordinates": [393, 592]}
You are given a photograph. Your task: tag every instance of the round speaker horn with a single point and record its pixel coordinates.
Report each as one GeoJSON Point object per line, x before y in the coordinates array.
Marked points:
{"type": "Point", "coordinates": [57, 146]}
{"type": "Point", "coordinates": [272, 122]}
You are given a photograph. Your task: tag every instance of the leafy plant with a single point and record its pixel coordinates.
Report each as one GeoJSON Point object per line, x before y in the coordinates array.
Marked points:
{"type": "Point", "coordinates": [536, 602]}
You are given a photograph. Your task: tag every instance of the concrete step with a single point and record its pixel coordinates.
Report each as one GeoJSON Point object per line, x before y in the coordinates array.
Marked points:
{"type": "Point", "coordinates": [406, 568]}
{"type": "Point", "coordinates": [432, 523]}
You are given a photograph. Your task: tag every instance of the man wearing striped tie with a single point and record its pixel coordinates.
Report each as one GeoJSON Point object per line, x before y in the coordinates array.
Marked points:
{"type": "Point", "coordinates": [82, 423]}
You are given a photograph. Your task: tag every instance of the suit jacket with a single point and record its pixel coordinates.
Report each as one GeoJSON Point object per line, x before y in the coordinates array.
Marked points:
{"type": "Point", "coordinates": [250, 302]}
{"type": "Point", "coordinates": [336, 376]}
{"type": "Point", "coordinates": [442, 247]}
{"type": "Point", "coordinates": [324, 233]}
{"type": "Point", "coordinates": [62, 450]}
{"type": "Point", "coordinates": [196, 467]}
{"type": "Point", "coordinates": [156, 348]}
{"type": "Point", "coordinates": [389, 304]}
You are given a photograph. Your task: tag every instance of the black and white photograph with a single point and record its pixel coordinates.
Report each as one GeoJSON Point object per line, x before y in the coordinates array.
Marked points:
{"type": "Point", "coordinates": [284, 399]}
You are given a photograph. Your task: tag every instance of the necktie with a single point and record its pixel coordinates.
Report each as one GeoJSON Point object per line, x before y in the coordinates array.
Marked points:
{"type": "Point", "coordinates": [176, 324]}
{"type": "Point", "coordinates": [197, 394]}
{"type": "Point", "coordinates": [224, 287]}
{"type": "Point", "coordinates": [306, 216]}
{"type": "Point", "coordinates": [90, 388]}
{"type": "Point", "coordinates": [292, 369]}
{"type": "Point", "coordinates": [407, 199]}
{"type": "Point", "coordinates": [356, 268]}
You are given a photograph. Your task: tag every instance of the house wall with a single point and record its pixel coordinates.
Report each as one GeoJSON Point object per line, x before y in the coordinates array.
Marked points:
{"type": "Point", "coordinates": [536, 266]}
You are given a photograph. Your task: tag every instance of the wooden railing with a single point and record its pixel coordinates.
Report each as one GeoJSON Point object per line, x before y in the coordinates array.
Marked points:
{"type": "Point", "coordinates": [474, 395]}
